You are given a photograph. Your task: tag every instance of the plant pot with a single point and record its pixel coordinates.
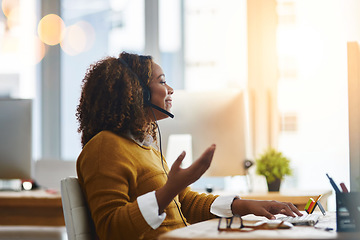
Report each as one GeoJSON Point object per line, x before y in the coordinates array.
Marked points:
{"type": "Point", "coordinates": [274, 186]}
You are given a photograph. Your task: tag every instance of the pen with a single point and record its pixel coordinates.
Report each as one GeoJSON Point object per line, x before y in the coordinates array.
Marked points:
{"type": "Point", "coordinates": [318, 198]}
{"type": "Point", "coordinates": [321, 208]}
{"type": "Point", "coordinates": [344, 188]}
{"type": "Point", "coordinates": [333, 184]}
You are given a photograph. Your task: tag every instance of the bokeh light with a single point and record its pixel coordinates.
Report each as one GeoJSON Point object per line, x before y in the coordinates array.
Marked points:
{"type": "Point", "coordinates": [8, 5]}
{"type": "Point", "coordinates": [11, 10]}
{"type": "Point", "coordinates": [78, 38]}
{"type": "Point", "coordinates": [40, 50]}
{"type": "Point", "coordinates": [51, 29]}
{"type": "Point", "coordinates": [32, 50]}
{"type": "Point", "coordinates": [13, 19]}
{"type": "Point", "coordinates": [89, 32]}
{"type": "Point", "coordinates": [74, 40]}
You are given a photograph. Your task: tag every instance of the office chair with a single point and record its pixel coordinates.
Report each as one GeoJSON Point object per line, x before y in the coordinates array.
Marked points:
{"type": "Point", "coordinates": [79, 225]}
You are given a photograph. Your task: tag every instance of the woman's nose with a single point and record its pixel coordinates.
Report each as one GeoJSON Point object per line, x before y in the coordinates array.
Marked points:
{"type": "Point", "coordinates": [170, 90]}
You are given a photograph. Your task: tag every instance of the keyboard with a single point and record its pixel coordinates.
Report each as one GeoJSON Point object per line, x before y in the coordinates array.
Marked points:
{"type": "Point", "coordinates": [305, 220]}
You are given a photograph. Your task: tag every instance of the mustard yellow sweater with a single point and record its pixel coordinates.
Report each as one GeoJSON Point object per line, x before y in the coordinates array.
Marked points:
{"type": "Point", "coordinates": [113, 172]}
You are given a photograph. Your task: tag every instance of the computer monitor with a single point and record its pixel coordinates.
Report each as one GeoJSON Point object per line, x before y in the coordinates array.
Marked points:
{"type": "Point", "coordinates": [15, 138]}
{"type": "Point", "coordinates": [218, 117]}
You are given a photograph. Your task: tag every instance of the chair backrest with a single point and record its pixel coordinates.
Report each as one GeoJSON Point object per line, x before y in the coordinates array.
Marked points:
{"type": "Point", "coordinates": [79, 225]}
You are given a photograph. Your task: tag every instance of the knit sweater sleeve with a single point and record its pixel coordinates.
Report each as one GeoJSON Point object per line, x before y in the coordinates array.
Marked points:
{"type": "Point", "coordinates": [196, 206]}
{"type": "Point", "coordinates": [106, 177]}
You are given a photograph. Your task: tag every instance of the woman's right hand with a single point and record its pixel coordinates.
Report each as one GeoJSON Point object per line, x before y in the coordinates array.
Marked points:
{"type": "Point", "coordinates": [179, 178]}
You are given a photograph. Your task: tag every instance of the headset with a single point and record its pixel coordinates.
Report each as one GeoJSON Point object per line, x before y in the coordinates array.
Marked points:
{"type": "Point", "coordinates": [146, 91]}
{"type": "Point", "coordinates": [147, 101]}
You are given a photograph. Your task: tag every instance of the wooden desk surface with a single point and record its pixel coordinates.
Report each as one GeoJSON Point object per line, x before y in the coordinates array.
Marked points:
{"type": "Point", "coordinates": [36, 207]}
{"type": "Point", "coordinates": [208, 230]}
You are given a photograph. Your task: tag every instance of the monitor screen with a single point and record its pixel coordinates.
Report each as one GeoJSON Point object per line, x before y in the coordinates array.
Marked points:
{"type": "Point", "coordinates": [210, 117]}
{"type": "Point", "coordinates": [15, 138]}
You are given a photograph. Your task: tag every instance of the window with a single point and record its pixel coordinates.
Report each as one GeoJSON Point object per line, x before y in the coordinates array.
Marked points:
{"type": "Point", "coordinates": [215, 50]}
{"type": "Point", "coordinates": [208, 59]}
{"type": "Point", "coordinates": [108, 27]}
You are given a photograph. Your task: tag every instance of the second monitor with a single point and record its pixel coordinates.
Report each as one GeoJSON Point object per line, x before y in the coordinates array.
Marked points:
{"type": "Point", "coordinates": [15, 138]}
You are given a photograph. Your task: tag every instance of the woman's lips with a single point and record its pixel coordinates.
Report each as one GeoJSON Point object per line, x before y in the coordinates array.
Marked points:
{"type": "Point", "coordinates": [168, 102]}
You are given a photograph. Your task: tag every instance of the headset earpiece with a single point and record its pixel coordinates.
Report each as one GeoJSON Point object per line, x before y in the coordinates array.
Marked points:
{"type": "Point", "coordinates": [146, 93]}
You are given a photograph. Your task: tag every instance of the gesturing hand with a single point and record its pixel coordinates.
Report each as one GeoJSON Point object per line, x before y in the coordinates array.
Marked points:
{"type": "Point", "coordinates": [179, 178]}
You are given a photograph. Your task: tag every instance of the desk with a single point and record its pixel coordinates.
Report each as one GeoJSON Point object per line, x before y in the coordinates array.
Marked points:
{"type": "Point", "coordinates": [34, 208]}
{"type": "Point", "coordinates": [208, 230]}
{"type": "Point", "coordinates": [298, 198]}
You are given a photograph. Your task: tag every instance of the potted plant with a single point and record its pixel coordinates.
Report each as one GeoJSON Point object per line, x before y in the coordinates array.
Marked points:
{"type": "Point", "coordinates": [274, 166]}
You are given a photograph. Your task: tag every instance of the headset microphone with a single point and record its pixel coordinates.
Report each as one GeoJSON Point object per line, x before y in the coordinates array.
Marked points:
{"type": "Point", "coordinates": [159, 109]}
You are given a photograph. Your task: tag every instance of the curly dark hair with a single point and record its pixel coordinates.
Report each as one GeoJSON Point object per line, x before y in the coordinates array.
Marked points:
{"type": "Point", "coordinates": [112, 97]}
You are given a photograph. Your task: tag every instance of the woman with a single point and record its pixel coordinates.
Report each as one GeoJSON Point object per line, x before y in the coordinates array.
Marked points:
{"type": "Point", "coordinates": [130, 190]}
